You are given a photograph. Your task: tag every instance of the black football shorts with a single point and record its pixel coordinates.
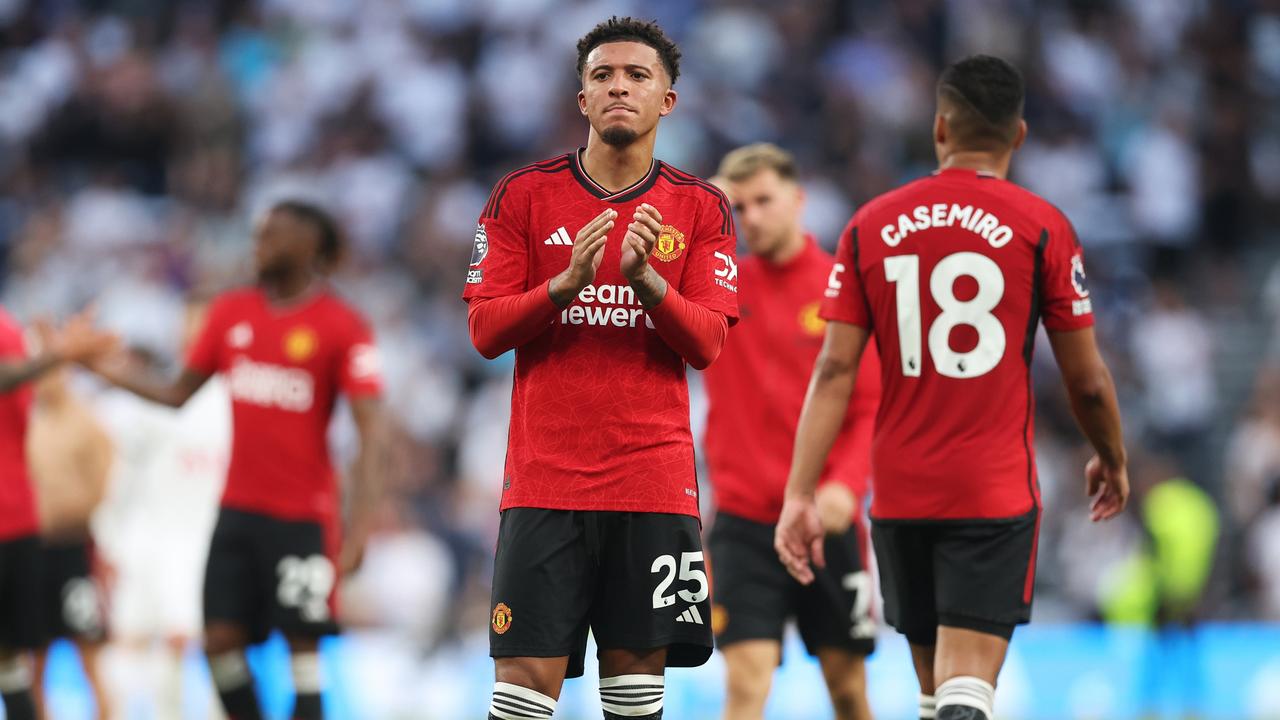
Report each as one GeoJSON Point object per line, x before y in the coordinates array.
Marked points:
{"type": "Point", "coordinates": [268, 574]}
{"type": "Point", "coordinates": [970, 574]}
{"type": "Point", "coordinates": [635, 580]}
{"type": "Point", "coordinates": [754, 596]}
{"type": "Point", "coordinates": [20, 574]}
{"type": "Point", "coordinates": [71, 600]}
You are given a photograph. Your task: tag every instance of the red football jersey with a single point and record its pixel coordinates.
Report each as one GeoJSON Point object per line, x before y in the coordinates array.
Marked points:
{"type": "Point", "coordinates": [284, 367]}
{"type": "Point", "coordinates": [952, 273]}
{"type": "Point", "coordinates": [17, 501]}
{"type": "Point", "coordinates": [600, 406]}
{"type": "Point", "coordinates": [756, 389]}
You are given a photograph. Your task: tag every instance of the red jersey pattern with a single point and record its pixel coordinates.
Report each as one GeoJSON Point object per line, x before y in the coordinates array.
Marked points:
{"type": "Point", "coordinates": [952, 273]}
{"type": "Point", "coordinates": [284, 367]}
{"type": "Point", "coordinates": [757, 386]}
{"type": "Point", "coordinates": [17, 501]}
{"type": "Point", "coordinates": [600, 405]}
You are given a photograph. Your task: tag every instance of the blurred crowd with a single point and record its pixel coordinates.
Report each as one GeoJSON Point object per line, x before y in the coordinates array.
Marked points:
{"type": "Point", "coordinates": [139, 138]}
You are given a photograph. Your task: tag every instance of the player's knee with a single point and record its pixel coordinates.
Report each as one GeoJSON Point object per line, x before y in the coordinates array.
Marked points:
{"type": "Point", "coordinates": [632, 697]}
{"type": "Point", "coordinates": [748, 682]}
{"type": "Point", "coordinates": [542, 677]}
{"type": "Point", "coordinates": [519, 702]}
{"type": "Point", "coordinates": [222, 638]}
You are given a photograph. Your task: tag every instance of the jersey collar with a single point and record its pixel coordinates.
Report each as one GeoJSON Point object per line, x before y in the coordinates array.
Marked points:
{"type": "Point", "coordinates": [631, 192]}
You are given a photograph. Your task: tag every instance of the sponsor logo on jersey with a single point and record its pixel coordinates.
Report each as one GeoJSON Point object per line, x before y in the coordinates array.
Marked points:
{"type": "Point", "coordinates": [559, 237]}
{"type": "Point", "coordinates": [691, 615]}
{"type": "Point", "coordinates": [240, 336]}
{"type": "Point", "coordinates": [501, 618]}
{"type": "Point", "coordinates": [271, 386]}
{"type": "Point", "coordinates": [810, 322]}
{"type": "Point", "coordinates": [670, 244]}
{"type": "Point", "coordinates": [603, 305]}
{"type": "Point", "coordinates": [366, 362]}
{"type": "Point", "coordinates": [727, 276]}
{"type": "Point", "coordinates": [1078, 279]}
{"type": "Point", "coordinates": [479, 251]}
{"type": "Point", "coordinates": [300, 343]}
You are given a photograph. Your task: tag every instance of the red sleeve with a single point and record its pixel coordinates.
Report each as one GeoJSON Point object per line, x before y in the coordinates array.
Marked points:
{"type": "Point", "coordinates": [846, 297]}
{"type": "Point", "coordinates": [710, 276]}
{"type": "Point", "coordinates": [695, 332]}
{"type": "Point", "coordinates": [500, 324]}
{"type": "Point", "coordinates": [1066, 304]}
{"type": "Point", "coordinates": [361, 371]}
{"type": "Point", "coordinates": [500, 251]}
{"type": "Point", "coordinates": [205, 354]}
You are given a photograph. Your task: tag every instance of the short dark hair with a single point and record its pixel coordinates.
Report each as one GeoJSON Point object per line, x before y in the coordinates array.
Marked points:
{"type": "Point", "coordinates": [629, 29]}
{"type": "Point", "coordinates": [330, 250]}
{"type": "Point", "coordinates": [986, 94]}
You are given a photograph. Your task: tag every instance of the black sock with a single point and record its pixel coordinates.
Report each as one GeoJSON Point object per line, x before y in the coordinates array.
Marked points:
{"type": "Point", "coordinates": [241, 703]}
{"type": "Point", "coordinates": [307, 706]}
{"type": "Point", "coordinates": [961, 712]}
{"type": "Point", "coordinates": [655, 716]}
{"type": "Point", "coordinates": [20, 705]}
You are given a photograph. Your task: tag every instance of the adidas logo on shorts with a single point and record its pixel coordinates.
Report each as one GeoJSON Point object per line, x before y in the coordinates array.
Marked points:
{"type": "Point", "coordinates": [559, 237]}
{"type": "Point", "coordinates": [691, 616]}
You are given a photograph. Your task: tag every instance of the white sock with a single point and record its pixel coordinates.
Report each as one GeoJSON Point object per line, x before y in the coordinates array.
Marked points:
{"type": "Point", "coordinates": [512, 702]}
{"type": "Point", "coordinates": [306, 673]}
{"type": "Point", "coordinates": [15, 675]}
{"type": "Point", "coordinates": [620, 694]}
{"type": "Point", "coordinates": [928, 707]}
{"type": "Point", "coordinates": [968, 691]}
{"type": "Point", "coordinates": [229, 670]}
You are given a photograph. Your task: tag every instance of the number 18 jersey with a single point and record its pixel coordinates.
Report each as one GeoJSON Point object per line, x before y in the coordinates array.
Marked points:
{"type": "Point", "coordinates": [953, 273]}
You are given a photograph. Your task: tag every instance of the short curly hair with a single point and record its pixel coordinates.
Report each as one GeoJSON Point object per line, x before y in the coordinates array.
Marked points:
{"type": "Point", "coordinates": [629, 29]}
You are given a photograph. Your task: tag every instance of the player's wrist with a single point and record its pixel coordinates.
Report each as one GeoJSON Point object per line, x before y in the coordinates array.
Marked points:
{"type": "Point", "coordinates": [650, 286]}
{"type": "Point", "coordinates": [563, 288]}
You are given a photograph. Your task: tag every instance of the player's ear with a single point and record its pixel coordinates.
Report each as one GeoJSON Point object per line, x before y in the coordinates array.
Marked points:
{"type": "Point", "coordinates": [668, 102]}
{"type": "Point", "coordinates": [1021, 137]}
{"type": "Point", "coordinates": [582, 102]}
{"type": "Point", "coordinates": [939, 129]}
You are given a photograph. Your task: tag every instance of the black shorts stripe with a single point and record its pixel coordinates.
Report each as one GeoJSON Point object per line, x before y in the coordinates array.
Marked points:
{"type": "Point", "coordinates": [494, 205]}
{"type": "Point", "coordinates": [677, 177]}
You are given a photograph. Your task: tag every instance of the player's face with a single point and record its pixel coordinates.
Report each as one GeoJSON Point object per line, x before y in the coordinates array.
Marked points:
{"type": "Point", "coordinates": [768, 209]}
{"type": "Point", "coordinates": [284, 244]}
{"type": "Point", "coordinates": [625, 90]}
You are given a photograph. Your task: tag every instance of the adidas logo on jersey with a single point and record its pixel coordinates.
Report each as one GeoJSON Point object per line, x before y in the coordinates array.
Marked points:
{"type": "Point", "coordinates": [691, 616]}
{"type": "Point", "coordinates": [559, 237]}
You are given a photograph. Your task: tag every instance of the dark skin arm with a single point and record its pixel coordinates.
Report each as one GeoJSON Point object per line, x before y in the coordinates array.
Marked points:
{"type": "Point", "coordinates": [174, 393]}
{"type": "Point", "coordinates": [77, 341]}
{"type": "Point", "coordinates": [1093, 402]}
{"type": "Point", "coordinates": [14, 374]}
{"type": "Point", "coordinates": [366, 478]}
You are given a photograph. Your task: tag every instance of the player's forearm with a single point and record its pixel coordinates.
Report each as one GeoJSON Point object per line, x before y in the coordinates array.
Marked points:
{"type": "Point", "coordinates": [143, 386]}
{"type": "Point", "coordinates": [1097, 412]}
{"type": "Point", "coordinates": [13, 374]}
{"type": "Point", "coordinates": [367, 485]}
{"type": "Point", "coordinates": [695, 332]}
{"type": "Point", "coordinates": [825, 405]}
{"type": "Point", "coordinates": [501, 324]}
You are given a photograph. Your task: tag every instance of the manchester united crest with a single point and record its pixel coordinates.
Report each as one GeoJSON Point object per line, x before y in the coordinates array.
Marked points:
{"type": "Point", "coordinates": [810, 321]}
{"type": "Point", "coordinates": [670, 244]}
{"type": "Point", "coordinates": [300, 343]}
{"type": "Point", "coordinates": [501, 619]}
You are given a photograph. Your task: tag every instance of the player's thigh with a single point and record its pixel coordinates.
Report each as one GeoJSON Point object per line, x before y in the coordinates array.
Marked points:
{"type": "Point", "coordinates": [985, 574]}
{"type": "Point", "coordinates": [543, 585]}
{"type": "Point", "coordinates": [904, 556]}
{"type": "Point", "coordinates": [72, 601]}
{"type": "Point", "coordinates": [751, 591]}
{"type": "Point", "coordinates": [233, 594]}
{"type": "Point", "coordinates": [295, 566]}
{"type": "Point", "coordinates": [653, 590]}
{"type": "Point", "coordinates": [20, 578]}
{"type": "Point", "coordinates": [749, 667]}
{"type": "Point", "coordinates": [835, 610]}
